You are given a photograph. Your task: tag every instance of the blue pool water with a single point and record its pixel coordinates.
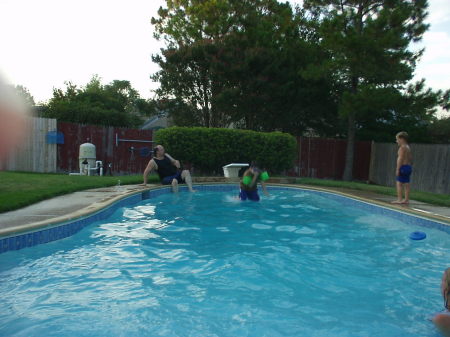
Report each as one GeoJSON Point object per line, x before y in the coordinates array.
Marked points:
{"type": "Point", "coordinates": [296, 264]}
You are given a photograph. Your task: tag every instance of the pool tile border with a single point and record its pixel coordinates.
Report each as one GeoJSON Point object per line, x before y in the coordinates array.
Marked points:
{"type": "Point", "coordinates": [69, 228]}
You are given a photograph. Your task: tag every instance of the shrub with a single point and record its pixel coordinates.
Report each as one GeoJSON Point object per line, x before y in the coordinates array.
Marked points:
{"type": "Point", "coordinates": [208, 149]}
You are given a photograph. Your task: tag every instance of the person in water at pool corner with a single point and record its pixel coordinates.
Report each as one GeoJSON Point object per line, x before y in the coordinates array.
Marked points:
{"type": "Point", "coordinates": [442, 319]}
{"type": "Point", "coordinates": [249, 183]}
{"type": "Point", "coordinates": [169, 170]}
{"type": "Point", "coordinates": [404, 168]}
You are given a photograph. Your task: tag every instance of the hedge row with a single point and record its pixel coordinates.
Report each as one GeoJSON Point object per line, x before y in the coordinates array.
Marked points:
{"type": "Point", "coordinates": [208, 149]}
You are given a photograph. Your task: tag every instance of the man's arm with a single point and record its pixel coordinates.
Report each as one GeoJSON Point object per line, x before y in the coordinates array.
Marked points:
{"type": "Point", "coordinates": [174, 161]}
{"type": "Point", "coordinates": [150, 167]}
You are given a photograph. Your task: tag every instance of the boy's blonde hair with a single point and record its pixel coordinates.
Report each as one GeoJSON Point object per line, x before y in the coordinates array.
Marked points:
{"type": "Point", "coordinates": [403, 135]}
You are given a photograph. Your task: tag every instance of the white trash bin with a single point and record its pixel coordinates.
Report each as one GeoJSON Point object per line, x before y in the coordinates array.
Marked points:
{"type": "Point", "coordinates": [232, 170]}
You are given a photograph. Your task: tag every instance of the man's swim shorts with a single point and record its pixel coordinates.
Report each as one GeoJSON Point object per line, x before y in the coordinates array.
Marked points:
{"type": "Point", "coordinates": [168, 180]}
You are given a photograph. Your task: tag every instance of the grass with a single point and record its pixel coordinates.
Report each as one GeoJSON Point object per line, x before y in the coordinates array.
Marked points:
{"type": "Point", "coordinates": [430, 198]}
{"type": "Point", "coordinates": [19, 189]}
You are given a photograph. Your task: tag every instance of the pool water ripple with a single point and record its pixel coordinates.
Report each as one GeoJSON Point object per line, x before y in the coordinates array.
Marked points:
{"type": "Point", "coordinates": [204, 264]}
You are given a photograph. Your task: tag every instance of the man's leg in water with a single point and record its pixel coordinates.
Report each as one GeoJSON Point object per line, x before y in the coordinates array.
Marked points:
{"type": "Point", "coordinates": [186, 176]}
{"type": "Point", "coordinates": [175, 185]}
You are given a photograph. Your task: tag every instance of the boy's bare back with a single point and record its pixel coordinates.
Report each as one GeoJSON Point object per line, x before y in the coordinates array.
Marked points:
{"type": "Point", "coordinates": [405, 155]}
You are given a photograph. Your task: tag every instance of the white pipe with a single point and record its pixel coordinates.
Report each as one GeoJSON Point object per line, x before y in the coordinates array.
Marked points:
{"type": "Point", "coordinates": [131, 140]}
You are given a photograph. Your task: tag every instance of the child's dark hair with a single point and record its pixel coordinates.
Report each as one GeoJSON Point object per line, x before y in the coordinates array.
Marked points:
{"type": "Point", "coordinates": [403, 135]}
{"type": "Point", "coordinates": [254, 164]}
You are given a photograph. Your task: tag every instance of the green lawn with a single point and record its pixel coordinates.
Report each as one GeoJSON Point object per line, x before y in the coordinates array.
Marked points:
{"type": "Point", "coordinates": [431, 198]}
{"type": "Point", "coordinates": [19, 189]}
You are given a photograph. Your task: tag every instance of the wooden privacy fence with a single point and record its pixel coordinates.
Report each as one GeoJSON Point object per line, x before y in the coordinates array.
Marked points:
{"type": "Point", "coordinates": [431, 166]}
{"type": "Point", "coordinates": [35, 154]}
{"type": "Point", "coordinates": [325, 158]}
{"type": "Point", "coordinates": [127, 150]}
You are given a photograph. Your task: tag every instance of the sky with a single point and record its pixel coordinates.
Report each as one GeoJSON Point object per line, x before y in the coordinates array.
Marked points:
{"type": "Point", "coordinates": [47, 42]}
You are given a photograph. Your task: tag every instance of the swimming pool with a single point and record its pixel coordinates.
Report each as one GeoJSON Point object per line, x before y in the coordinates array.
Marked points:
{"type": "Point", "coordinates": [299, 263]}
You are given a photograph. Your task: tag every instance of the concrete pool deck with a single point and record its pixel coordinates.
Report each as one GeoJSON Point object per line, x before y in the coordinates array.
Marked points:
{"type": "Point", "coordinates": [79, 204]}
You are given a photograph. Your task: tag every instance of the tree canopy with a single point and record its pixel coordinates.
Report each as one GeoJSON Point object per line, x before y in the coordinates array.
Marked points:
{"type": "Point", "coordinates": [336, 68]}
{"type": "Point", "coordinates": [372, 62]}
{"type": "Point", "coordinates": [25, 95]}
{"type": "Point", "coordinates": [340, 68]}
{"type": "Point", "coordinates": [113, 104]}
{"type": "Point", "coordinates": [240, 63]}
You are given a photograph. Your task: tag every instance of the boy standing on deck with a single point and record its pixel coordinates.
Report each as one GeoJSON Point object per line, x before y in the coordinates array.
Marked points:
{"type": "Point", "coordinates": [404, 168]}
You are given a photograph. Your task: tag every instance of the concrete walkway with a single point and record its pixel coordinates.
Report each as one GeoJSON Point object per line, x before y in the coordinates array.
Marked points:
{"type": "Point", "coordinates": [78, 204]}
{"type": "Point", "coordinates": [64, 208]}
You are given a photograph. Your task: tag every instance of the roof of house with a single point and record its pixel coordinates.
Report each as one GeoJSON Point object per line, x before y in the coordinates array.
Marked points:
{"type": "Point", "coordinates": [154, 123]}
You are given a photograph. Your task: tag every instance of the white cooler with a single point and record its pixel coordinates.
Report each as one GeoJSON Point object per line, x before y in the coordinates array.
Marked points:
{"type": "Point", "coordinates": [232, 170]}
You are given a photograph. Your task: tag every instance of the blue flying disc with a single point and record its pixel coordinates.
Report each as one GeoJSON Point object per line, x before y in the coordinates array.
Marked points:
{"type": "Point", "coordinates": [417, 236]}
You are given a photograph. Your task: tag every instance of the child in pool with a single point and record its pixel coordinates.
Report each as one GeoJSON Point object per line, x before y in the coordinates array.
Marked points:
{"type": "Point", "coordinates": [442, 320]}
{"type": "Point", "coordinates": [249, 183]}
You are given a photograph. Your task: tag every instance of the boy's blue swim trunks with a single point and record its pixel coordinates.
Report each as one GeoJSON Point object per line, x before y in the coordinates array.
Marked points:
{"type": "Point", "coordinates": [251, 195]}
{"type": "Point", "coordinates": [405, 173]}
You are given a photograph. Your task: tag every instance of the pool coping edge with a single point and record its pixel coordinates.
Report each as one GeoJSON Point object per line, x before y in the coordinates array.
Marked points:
{"type": "Point", "coordinates": [104, 204]}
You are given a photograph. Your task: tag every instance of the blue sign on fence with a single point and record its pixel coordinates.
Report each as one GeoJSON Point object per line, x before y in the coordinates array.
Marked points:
{"type": "Point", "coordinates": [55, 137]}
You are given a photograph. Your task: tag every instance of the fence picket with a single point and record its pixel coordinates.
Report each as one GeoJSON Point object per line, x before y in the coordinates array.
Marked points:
{"type": "Point", "coordinates": [34, 154]}
{"type": "Point", "coordinates": [431, 166]}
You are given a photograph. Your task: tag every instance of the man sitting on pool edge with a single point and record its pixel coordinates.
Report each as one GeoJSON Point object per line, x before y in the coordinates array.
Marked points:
{"type": "Point", "coordinates": [168, 169]}
{"type": "Point", "coordinates": [249, 183]}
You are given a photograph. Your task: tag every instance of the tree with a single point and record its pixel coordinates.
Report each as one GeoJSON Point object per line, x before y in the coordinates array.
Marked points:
{"type": "Point", "coordinates": [263, 66]}
{"type": "Point", "coordinates": [368, 41]}
{"type": "Point", "coordinates": [241, 63]}
{"type": "Point", "coordinates": [181, 113]}
{"type": "Point", "coordinates": [185, 76]}
{"type": "Point", "coordinates": [439, 131]}
{"type": "Point", "coordinates": [390, 110]}
{"type": "Point", "coordinates": [24, 95]}
{"type": "Point", "coordinates": [189, 27]}
{"type": "Point", "coordinates": [113, 104]}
